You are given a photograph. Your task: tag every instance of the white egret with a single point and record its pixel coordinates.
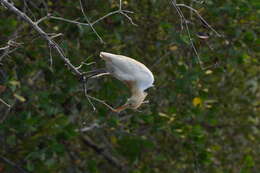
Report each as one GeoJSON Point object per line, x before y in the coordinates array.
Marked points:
{"type": "Point", "coordinates": [133, 73]}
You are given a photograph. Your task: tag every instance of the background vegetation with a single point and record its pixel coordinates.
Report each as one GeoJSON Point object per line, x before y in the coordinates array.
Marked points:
{"type": "Point", "coordinates": [201, 117]}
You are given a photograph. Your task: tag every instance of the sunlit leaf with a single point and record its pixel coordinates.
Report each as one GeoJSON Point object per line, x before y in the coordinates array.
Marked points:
{"type": "Point", "coordinates": [20, 98]}
{"type": "Point", "coordinates": [197, 101]}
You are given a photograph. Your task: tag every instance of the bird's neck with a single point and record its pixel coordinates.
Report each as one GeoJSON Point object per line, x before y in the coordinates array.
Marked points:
{"type": "Point", "coordinates": [136, 91]}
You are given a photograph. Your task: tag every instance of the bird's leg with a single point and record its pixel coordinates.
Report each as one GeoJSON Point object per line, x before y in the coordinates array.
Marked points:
{"type": "Point", "coordinates": [121, 108]}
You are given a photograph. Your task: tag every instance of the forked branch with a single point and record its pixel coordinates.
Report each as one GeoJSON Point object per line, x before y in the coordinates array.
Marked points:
{"type": "Point", "coordinates": [43, 34]}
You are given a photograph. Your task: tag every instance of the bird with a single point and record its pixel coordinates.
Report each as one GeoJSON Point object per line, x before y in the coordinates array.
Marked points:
{"type": "Point", "coordinates": [131, 72]}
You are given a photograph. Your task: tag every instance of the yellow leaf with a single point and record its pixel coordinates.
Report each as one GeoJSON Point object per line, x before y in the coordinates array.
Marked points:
{"type": "Point", "coordinates": [20, 98]}
{"type": "Point", "coordinates": [163, 115]}
{"type": "Point", "coordinates": [197, 101]}
{"type": "Point", "coordinates": [173, 48]}
{"type": "Point", "coordinates": [179, 130]}
{"type": "Point", "coordinates": [206, 90]}
{"type": "Point", "coordinates": [209, 72]}
{"type": "Point", "coordinates": [113, 140]}
{"type": "Point", "coordinates": [56, 28]}
{"type": "Point", "coordinates": [171, 119]}
{"type": "Point", "coordinates": [15, 83]}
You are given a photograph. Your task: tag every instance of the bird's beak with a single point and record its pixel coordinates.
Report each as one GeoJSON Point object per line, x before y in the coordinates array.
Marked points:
{"type": "Point", "coordinates": [121, 108]}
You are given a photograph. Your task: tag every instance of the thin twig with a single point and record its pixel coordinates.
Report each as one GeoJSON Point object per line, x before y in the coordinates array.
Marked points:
{"type": "Point", "coordinates": [203, 20]}
{"type": "Point", "coordinates": [176, 6]}
{"type": "Point", "coordinates": [69, 21]}
{"type": "Point", "coordinates": [7, 53]}
{"type": "Point", "coordinates": [188, 32]}
{"type": "Point", "coordinates": [129, 18]}
{"type": "Point", "coordinates": [179, 12]}
{"type": "Point", "coordinates": [54, 45]}
{"type": "Point", "coordinates": [120, 5]}
{"type": "Point", "coordinates": [43, 34]}
{"type": "Point", "coordinates": [11, 43]}
{"type": "Point", "coordinates": [86, 92]}
{"type": "Point", "coordinates": [85, 80]}
{"type": "Point", "coordinates": [105, 16]}
{"type": "Point", "coordinates": [43, 18]}
{"type": "Point", "coordinates": [50, 59]}
{"type": "Point", "coordinates": [93, 29]}
{"type": "Point", "coordinates": [120, 11]}
{"type": "Point", "coordinates": [102, 102]}
{"type": "Point", "coordinates": [6, 104]}
{"type": "Point", "coordinates": [6, 47]}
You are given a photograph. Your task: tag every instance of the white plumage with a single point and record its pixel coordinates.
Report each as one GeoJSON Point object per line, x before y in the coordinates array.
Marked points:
{"type": "Point", "coordinates": [133, 73]}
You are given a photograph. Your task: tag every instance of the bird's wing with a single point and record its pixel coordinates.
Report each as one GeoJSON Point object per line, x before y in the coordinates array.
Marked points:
{"type": "Point", "coordinates": [133, 70]}
{"type": "Point", "coordinates": [127, 69]}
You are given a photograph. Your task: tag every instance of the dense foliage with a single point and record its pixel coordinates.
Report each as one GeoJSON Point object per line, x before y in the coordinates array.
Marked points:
{"type": "Point", "coordinates": [202, 115]}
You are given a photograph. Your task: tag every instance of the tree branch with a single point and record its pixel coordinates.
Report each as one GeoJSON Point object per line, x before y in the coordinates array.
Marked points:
{"type": "Point", "coordinates": [43, 34]}
{"type": "Point", "coordinates": [201, 18]}
{"type": "Point", "coordinates": [185, 22]}
{"type": "Point", "coordinates": [91, 26]}
{"type": "Point", "coordinates": [6, 104]}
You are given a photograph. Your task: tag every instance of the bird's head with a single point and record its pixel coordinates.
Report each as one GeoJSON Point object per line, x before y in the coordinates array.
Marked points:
{"type": "Point", "coordinates": [105, 55]}
{"type": "Point", "coordinates": [133, 102]}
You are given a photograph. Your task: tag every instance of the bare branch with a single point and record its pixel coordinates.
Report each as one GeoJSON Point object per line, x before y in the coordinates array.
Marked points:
{"type": "Point", "coordinates": [105, 16]}
{"type": "Point", "coordinates": [188, 31]}
{"type": "Point", "coordinates": [43, 18]}
{"type": "Point", "coordinates": [129, 18]}
{"type": "Point", "coordinates": [69, 21]}
{"type": "Point", "coordinates": [43, 34]}
{"type": "Point", "coordinates": [204, 21]}
{"type": "Point", "coordinates": [6, 104]}
{"type": "Point", "coordinates": [102, 102]}
{"type": "Point", "coordinates": [86, 92]}
{"type": "Point", "coordinates": [120, 11]}
{"type": "Point", "coordinates": [183, 20]}
{"type": "Point", "coordinates": [120, 5]}
{"type": "Point", "coordinates": [7, 53]}
{"type": "Point", "coordinates": [52, 44]}
{"type": "Point", "coordinates": [6, 47]}
{"type": "Point", "coordinates": [10, 47]}
{"type": "Point", "coordinates": [50, 59]}
{"type": "Point", "coordinates": [93, 29]}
